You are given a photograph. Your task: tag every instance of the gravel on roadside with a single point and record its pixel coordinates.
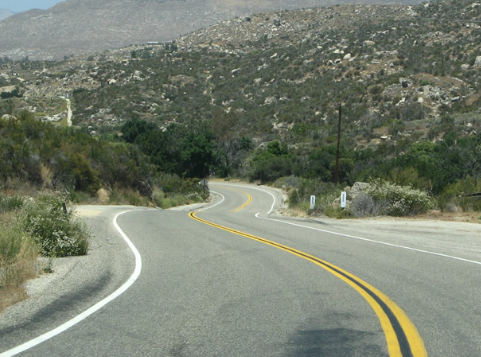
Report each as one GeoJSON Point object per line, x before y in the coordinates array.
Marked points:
{"type": "Point", "coordinates": [75, 284]}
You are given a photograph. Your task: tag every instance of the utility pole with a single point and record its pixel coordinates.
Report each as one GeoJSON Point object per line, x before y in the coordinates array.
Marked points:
{"type": "Point", "coordinates": [336, 174]}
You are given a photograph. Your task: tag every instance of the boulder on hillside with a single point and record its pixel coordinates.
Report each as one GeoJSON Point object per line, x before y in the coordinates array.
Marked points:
{"type": "Point", "coordinates": [477, 62]}
{"type": "Point", "coordinates": [8, 117]}
{"type": "Point", "coordinates": [356, 189]}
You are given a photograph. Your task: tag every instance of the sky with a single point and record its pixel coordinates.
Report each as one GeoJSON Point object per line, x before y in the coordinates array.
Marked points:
{"type": "Point", "coordinates": [24, 5]}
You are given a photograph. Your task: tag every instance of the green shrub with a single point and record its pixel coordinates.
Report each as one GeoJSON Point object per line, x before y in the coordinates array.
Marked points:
{"type": "Point", "coordinates": [115, 197]}
{"type": "Point", "coordinates": [127, 197]}
{"type": "Point", "coordinates": [134, 198]}
{"type": "Point", "coordinates": [455, 196]}
{"type": "Point", "coordinates": [168, 201]}
{"type": "Point", "coordinates": [58, 233]}
{"type": "Point", "coordinates": [301, 190]}
{"type": "Point", "coordinates": [194, 191]}
{"type": "Point", "coordinates": [8, 204]}
{"type": "Point", "coordinates": [399, 200]}
{"type": "Point", "coordinates": [192, 194]}
{"type": "Point", "coordinates": [272, 163]}
{"type": "Point", "coordinates": [11, 239]}
{"type": "Point", "coordinates": [375, 90]}
{"type": "Point", "coordinates": [79, 197]}
{"type": "Point", "coordinates": [335, 211]}
{"type": "Point", "coordinates": [288, 182]}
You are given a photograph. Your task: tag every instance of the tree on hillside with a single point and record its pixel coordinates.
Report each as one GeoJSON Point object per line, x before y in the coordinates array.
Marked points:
{"type": "Point", "coordinates": [272, 163]}
{"type": "Point", "coordinates": [135, 128]}
{"type": "Point", "coordinates": [197, 154]}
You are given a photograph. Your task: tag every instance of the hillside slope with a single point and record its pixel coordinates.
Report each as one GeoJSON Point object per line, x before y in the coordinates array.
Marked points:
{"type": "Point", "coordinates": [406, 77]}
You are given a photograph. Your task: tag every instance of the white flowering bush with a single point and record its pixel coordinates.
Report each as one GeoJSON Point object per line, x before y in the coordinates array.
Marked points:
{"type": "Point", "coordinates": [399, 200]}
{"type": "Point", "coordinates": [58, 233]}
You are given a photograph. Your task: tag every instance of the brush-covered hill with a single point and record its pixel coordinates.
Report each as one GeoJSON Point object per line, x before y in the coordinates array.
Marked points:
{"type": "Point", "coordinates": [284, 73]}
{"type": "Point", "coordinates": [406, 77]}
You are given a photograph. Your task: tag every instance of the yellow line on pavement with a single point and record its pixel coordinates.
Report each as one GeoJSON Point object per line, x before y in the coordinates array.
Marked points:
{"type": "Point", "coordinates": [402, 337]}
{"type": "Point", "coordinates": [249, 198]}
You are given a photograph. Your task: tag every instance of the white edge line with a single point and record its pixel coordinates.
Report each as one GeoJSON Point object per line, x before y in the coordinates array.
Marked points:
{"type": "Point", "coordinates": [209, 207]}
{"type": "Point", "coordinates": [62, 328]}
{"type": "Point", "coordinates": [347, 235]}
{"type": "Point", "coordinates": [374, 241]}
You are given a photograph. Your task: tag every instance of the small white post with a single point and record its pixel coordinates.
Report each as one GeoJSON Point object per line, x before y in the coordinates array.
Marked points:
{"type": "Point", "coordinates": [343, 199]}
{"type": "Point", "coordinates": [313, 202]}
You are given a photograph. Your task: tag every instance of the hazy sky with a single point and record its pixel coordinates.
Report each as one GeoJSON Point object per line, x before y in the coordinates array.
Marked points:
{"type": "Point", "coordinates": [24, 5]}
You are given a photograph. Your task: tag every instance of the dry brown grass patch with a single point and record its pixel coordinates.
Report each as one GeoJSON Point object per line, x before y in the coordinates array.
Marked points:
{"type": "Point", "coordinates": [18, 261]}
{"type": "Point", "coordinates": [11, 295]}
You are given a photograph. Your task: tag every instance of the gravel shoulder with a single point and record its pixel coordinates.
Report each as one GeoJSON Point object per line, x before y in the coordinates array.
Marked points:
{"type": "Point", "coordinates": [453, 234]}
{"type": "Point", "coordinates": [76, 283]}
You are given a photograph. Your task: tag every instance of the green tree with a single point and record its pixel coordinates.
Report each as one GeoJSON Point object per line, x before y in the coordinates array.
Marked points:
{"type": "Point", "coordinates": [135, 128]}
{"type": "Point", "coordinates": [345, 167]}
{"type": "Point", "coordinates": [85, 178]}
{"type": "Point", "coordinates": [272, 163]}
{"type": "Point", "coordinates": [197, 154]}
{"type": "Point", "coordinates": [319, 164]}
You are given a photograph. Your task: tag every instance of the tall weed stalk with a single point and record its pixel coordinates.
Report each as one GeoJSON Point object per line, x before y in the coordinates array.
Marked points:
{"type": "Point", "coordinates": [18, 260]}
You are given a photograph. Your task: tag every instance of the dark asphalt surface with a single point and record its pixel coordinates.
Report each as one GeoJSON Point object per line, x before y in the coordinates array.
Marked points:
{"type": "Point", "coordinates": [208, 292]}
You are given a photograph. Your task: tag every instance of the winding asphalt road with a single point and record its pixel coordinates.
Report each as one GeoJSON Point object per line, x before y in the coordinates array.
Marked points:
{"type": "Point", "coordinates": [233, 278]}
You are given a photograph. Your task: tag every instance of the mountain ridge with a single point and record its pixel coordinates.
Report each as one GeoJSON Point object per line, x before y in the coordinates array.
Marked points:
{"type": "Point", "coordinates": [5, 13]}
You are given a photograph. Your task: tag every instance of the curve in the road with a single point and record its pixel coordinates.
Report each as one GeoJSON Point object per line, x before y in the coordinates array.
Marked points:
{"type": "Point", "coordinates": [249, 199]}
{"type": "Point", "coordinates": [65, 326]}
{"type": "Point", "coordinates": [252, 188]}
{"type": "Point", "coordinates": [401, 335]}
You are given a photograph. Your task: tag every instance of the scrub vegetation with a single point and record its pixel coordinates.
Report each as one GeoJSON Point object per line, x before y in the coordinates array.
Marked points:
{"type": "Point", "coordinates": [150, 120]}
{"type": "Point", "coordinates": [29, 228]}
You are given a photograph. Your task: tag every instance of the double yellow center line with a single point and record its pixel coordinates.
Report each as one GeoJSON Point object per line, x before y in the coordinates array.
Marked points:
{"type": "Point", "coordinates": [402, 338]}
{"type": "Point", "coordinates": [249, 199]}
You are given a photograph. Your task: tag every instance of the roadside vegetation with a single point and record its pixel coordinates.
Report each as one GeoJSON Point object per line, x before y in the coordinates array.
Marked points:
{"type": "Point", "coordinates": [142, 167]}
{"type": "Point", "coordinates": [379, 198]}
{"type": "Point", "coordinates": [45, 168]}
{"type": "Point", "coordinates": [30, 228]}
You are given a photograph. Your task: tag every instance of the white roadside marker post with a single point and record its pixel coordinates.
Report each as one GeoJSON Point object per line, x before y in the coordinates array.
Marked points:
{"type": "Point", "coordinates": [343, 200]}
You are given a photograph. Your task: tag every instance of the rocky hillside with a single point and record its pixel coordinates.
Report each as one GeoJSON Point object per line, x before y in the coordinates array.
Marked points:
{"type": "Point", "coordinates": [78, 26]}
{"type": "Point", "coordinates": [402, 73]}
{"type": "Point", "coordinates": [261, 95]}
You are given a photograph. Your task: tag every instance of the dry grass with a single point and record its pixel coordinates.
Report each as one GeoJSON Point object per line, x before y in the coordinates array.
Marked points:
{"type": "Point", "coordinates": [294, 212]}
{"type": "Point", "coordinates": [436, 215]}
{"type": "Point", "coordinates": [103, 196]}
{"type": "Point", "coordinates": [18, 261]}
{"type": "Point", "coordinates": [13, 277]}
{"type": "Point", "coordinates": [11, 295]}
{"type": "Point", "coordinates": [47, 175]}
